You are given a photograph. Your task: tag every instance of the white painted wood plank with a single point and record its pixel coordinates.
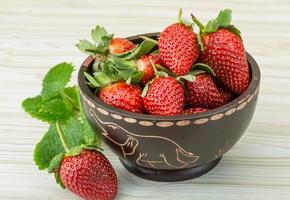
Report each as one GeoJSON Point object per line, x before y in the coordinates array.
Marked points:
{"type": "Point", "coordinates": [35, 35]}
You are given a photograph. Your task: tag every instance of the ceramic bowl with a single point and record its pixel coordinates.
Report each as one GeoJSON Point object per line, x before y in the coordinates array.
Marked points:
{"type": "Point", "coordinates": [170, 148]}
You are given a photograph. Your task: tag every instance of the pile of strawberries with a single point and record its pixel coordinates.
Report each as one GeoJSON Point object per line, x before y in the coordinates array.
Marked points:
{"type": "Point", "coordinates": [182, 73]}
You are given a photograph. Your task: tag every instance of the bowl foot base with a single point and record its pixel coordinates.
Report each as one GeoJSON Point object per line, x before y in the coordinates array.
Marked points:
{"type": "Point", "coordinates": [170, 175]}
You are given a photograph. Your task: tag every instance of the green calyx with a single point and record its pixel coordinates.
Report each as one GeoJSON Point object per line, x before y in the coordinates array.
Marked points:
{"type": "Point", "coordinates": [197, 68]}
{"type": "Point", "coordinates": [159, 71]}
{"type": "Point", "coordinates": [118, 67]}
{"type": "Point", "coordinates": [101, 41]}
{"type": "Point", "coordinates": [202, 68]}
{"type": "Point", "coordinates": [223, 20]}
{"type": "Point", "coordinates": [141, 49]}
{"type": "Point", "coordinates": [182, 20]}
{"type": "Point", "coordinates": [113, 70]}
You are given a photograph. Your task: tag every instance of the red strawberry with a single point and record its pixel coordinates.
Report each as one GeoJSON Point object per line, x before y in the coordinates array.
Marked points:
{"type": "Point", "coordinates": [203, 92]}
{"type": "Point", "coordinates": [224, 52]}
{"type": "Point", "coordinates": [195, 110]}
{"type": "Point", "coordinates": [144, 65]}
{"type": "Point", "coordinates": [123, 96]}
{"type": "Point", "coordinates": [89, 175]}
{"type": "Point", "coordinates": [178, 48]}
{"type": "Point", "coordinates": [165, 97]}
{"type": "Point", "coordinates": [120, 45]}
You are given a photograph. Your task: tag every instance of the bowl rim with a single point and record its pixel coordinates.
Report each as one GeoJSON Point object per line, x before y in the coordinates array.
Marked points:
{"type": "Point", "coordinates": [253, 86]}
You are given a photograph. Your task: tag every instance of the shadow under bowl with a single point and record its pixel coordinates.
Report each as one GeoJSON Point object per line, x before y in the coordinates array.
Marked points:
{"type": "Point", "coordinates": [170, 148]}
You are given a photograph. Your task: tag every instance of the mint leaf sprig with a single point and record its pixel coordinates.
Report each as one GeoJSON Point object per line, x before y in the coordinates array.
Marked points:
{"type": "Point", "coordinates": [69, 131]}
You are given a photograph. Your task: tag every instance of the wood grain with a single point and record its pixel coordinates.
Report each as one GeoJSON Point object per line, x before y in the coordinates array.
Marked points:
{"type": "Point", "coordinates": [34, 35]}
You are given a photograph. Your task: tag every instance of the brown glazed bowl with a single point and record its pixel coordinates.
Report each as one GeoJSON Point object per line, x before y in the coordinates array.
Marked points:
{"type": "Point", "coordinates": [170, 148]}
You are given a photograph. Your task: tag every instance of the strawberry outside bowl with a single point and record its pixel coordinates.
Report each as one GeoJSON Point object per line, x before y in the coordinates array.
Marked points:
{"type": "Point", "coordinates": [170, 148]}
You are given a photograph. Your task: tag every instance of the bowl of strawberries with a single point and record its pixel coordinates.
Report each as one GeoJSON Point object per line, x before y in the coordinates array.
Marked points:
{"type": "Point", "coordinates": [170, 104]}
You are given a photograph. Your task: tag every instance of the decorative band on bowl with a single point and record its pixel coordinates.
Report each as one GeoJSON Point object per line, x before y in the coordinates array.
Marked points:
{"type": "Point", "coordinates": [145, 123]}
{"type": "Point", "coordinates": [165, 124]}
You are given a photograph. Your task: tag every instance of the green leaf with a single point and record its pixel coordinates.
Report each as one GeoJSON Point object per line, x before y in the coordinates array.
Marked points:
{"type": "Point", "coordinates": [102, 41]}
{"type": "Point", "coordinates": [73, 131]}
{"type": "Point", "coordinates": [49, 146]}
{"type": "Point", "coordinates": [90, 137]}
{"type": "Point", "coordinates": [110, 70]}
{"type": "Point", "coordinates": [136, 78]}
{"type": "Point", "coordinates": [125, 54]}
{"type": "Point", "coordinates": [103, 47]}
{"type": "Point", "coordinates": [224, 18]}
{"type": "Point", "coordinates": [33, 105]}
{"type": "Point", "coordinates": [75, 151]}
{"type": "Point", "coordinates": [161, 74]}
{"type": "Point", "coordinates": [182, 20]}
{"type": "Point", "coordinates": [102, 78]}
{"type": "Point", "coordinates": [211, 26]}
{"type": "Point", "coordinates": [188, 77]}
{"type": "Point", "coordinates": [97, 51]}
{"type": "Point", "coordinates": [99, 59]}
{"type": "Point", "coordinates": [44, 110]}
{"type": "Point", "coordinates": [122, 63]}
{"type": "Point", "coordinates": [204, 67]}
{"type": "Point", "coordinates": [125, 74]}
{"type": "Point", "coordinates": [186, 22]}
{"type": "Point", "coordinates": [128, 81]}
{"type": "Point", "coordinates": [72, 93]}
{"type": "Point", "coordinates": [155, 52]}
{"type": "Point", "coordinates": [125, 68]}
{"type": "Point", "coordinates": [197, 22]}
{"type": "Point", "coordinates": [76, 132]}
{"type": "Point", "coordinates": [149, 39]}
{"type": "Point", "coordinates": [106, 40]}
{"type": "Point", "coordinates": [196, 71]}
{"type": "Point", "coordinates": [86, 47]}
{"type": "Point", "coordinates": [91, 85]}
{"type": "Point", "coordinates": [200, 42]}
{"type": "Point", "coordinates": [98, 33]}
{"type": "Point", "coordinates": [166, 70]}
{"type": "Point", "coordinates": [145, 90]}
{"type": "Point", "coordinates": [235, 30]}
{"type": "Point", "coordinates": [54, 165]}
{"type": "Point", "coordinates": [179, 16]}
{"type": "Point", "coordinates": [56, 79]}
{"type": "Point", "coordinates": [58, 180]}
{"type": "Point", "coordinates": [56, 108]}
{"type": "Point", "coordinates": [144, 48]}
{"type": "Point", "coordinates": [96, 65]}
{"type": "Point", "coordinates": [78, 150]}
{"type": "Point", "coordinates": [92, 80]}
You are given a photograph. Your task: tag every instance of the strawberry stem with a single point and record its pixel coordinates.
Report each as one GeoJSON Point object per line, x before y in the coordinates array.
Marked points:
{"type": "Point", "coordinates": [61, 136]}
{"type": "Point", "coordinates": [154, 67]}
{"type": "Point", "coordinates": [204, 67]}
{"type": "Point", "coordinates": [161, 68]}
{"type": "Point", "coordinates": [197, 22]}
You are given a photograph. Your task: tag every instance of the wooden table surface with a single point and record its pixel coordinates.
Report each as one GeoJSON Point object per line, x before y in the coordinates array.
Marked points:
{"type": "Point", "coordinates": [36, 34]}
